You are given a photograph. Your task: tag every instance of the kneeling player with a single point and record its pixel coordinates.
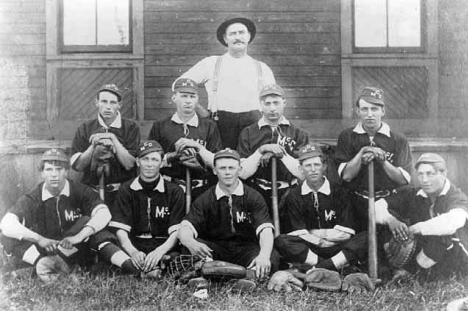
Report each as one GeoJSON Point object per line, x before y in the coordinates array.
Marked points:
{"type": "Point", "coordinates": [146, 213]}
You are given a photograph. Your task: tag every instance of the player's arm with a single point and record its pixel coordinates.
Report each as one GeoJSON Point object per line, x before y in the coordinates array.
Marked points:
{"type": "Point", "coordinates": [331, 235]}
{"type": "Point", "coordinates": [187, 236]}
{"type": "Point", "coordinates": [292, 164]}
{"type": "Point", "coordinates": [82, 150]}
{"type": "Point", "coordinates": [351, 169]}
{"type": "Point", "coordinates": [394, 173]}
{"type": "Point", "coordinates": [138, 257]}
{"type": "Point", "coordinates": [154, 257]}
{"type": "Point", "coordinates": [124, 157]}
{"type": "Point", "coordinates": [262, 263]}
{"type": "Point", "coordinates": [444, 224]}
{"type": "Point", "coordinates": [398, 228]}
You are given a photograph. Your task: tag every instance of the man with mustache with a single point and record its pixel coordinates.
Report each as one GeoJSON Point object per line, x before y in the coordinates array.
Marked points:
{"type": "Point", "coordinates": [233, 80]}
{"type": "Point", "coordinates": [272, 136]}
{"type": "Point", "coordinates": [106, 145]}
{"type": "Point", "coordinates": [372, 140]}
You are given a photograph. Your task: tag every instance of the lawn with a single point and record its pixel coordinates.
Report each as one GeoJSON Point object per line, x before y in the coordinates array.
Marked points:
{"type": "Point", "coordinates": [110, 291]}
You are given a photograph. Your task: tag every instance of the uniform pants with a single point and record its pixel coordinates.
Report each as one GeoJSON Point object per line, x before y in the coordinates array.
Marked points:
{"type": "Point", "coordinates": [230, 125]}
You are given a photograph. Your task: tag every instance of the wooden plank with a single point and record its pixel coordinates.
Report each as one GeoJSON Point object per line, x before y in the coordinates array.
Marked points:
{"type": "Point", "coordinates": [23, 39]}
{"type": "Point", "coordinates": [23, 17]}
{"type": "Point", "coordinates": [22, 50]}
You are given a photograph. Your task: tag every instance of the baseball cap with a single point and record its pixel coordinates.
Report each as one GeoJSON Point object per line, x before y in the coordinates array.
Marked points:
{"type": "Point", "coordinates": [113, 89]}
{"type": "Point", "coordinates": [186, 85]}
{"type": "Point", "coordinates": [242, 20]}
{"type": "Point", "coordinates": [310, 151]}
{"type": "Point", "coordinates": [372, 95]}
{"type": "Point", "coordinates": [148, 146]}
{"type": "Point", "coordinates": [272, 89]}
{"type": "Point", "coordinates": [54, 155]}
{"type": "Point", "coordinates": [226, 153]}
{"type": "Point", "coordinates": [430, 158]}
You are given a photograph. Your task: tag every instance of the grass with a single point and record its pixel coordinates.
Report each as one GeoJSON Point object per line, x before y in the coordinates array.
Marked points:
{"type": "Point", "coordinates": [107, 291]}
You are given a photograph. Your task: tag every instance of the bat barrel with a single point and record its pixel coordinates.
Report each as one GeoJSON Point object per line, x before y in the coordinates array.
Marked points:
{"type": "Point", "coordinates": [188, 190]}
{"type": "Point", "coordinates": [372, 228]}
{"type": "Point", "coordinates": [274, 196]}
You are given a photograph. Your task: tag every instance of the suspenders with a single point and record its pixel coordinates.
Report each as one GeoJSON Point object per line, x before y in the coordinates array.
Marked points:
{"type": "Point", "coordinates": [213, 106]}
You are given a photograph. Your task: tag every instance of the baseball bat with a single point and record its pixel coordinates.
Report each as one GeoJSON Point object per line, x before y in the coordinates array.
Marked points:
{"type": "Point", "coordinates": [102, 186]}
{"type": "Point", "coordinates": [372, 230]}
{"type": "Point", "coordinates": [274, 196]}
{"type": "Point", "coordinates": [188, 190]}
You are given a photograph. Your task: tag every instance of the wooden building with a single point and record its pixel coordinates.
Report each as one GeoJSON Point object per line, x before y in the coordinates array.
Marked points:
{"type": "Point", "coordinates": [322, 52]}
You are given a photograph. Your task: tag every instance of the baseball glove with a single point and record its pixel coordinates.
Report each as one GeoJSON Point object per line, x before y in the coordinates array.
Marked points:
{"type": "Point", "coordinates": [400, 253]}
{"type": "Point", "coordinates": [357, 283]}
{"type": "Point", "coordinates": [189, 158]}
{"type": "Point", "coordinates": [185, 267]}
{"type": "Point", "coordinates": [222, 269]}
{"type": "Point", "coordinates": [284, 280]}
{"type": "Point", "coordinates": [323, 279]}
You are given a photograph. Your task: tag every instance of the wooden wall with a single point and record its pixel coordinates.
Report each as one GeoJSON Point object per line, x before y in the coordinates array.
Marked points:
{"type": "Point", "coordinates": [298, 39]}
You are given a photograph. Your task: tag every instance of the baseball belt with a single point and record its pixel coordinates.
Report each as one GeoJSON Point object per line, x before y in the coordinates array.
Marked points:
{"type": "Point", "coordinates": [378, 194]}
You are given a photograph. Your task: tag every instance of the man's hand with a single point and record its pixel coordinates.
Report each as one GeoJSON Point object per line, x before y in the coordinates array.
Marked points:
{"type": "Point", "coordinates": [414, 230]}
{"type": "Point", "coordinates": [284, 280]}
{"type": "Point", "coordinates": [265, 159]}
{"type": "Point", "coordinates": [138, 260]}
{"type": "Point", "coordinates": [48, 244]}
{"type": "Point", "coordinates": [276, 149]}
{"type": "Point", "coordinates": [152, 259]}
{"type": "Point", "coordinates": [68, 242]}
{"type": "Point", "coordinates": [184, 143]}
{"type": "Point", "coordinates": [369, 153]}
{"type": "Point", "coordinates": [199, 249]}
{"type": "Point", "coordinates": [262, 265]}
{"type": "Point", "coordinates": [106, 139]}
{"type": "Point", "coordinates": [400, 231]}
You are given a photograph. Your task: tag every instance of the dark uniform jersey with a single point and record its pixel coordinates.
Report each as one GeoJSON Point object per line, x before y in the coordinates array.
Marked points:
{"type": "Point", "coordinates": [154, 216]}
{"type": "Point", "coordinates": [54, 216]}
{"type": "Point", "coordinates": [397, 150]}
{"type": "Point", "coordinates": [128, 135]}
{"type": "Point", "coordinates": [215, 220]}
{"type": "Point", "coordinates": [167, 132]}
{"type": "Point", "coordinates": [258, 134]}
{"type": "Point", "coordinates": [332, 209]}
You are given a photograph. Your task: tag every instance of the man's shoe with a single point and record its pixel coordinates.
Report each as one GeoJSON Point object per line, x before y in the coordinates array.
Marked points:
{"type": "Point", "coordinates": [198, 283]}
{"type": "Point", "coordinates": [244, 285]}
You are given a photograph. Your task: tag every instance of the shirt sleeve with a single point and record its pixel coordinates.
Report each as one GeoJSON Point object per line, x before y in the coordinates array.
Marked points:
{"type": "Point", "coordinates": [404, 159]}
{"type": "Point", "coordinates": [202, 71]}
{"type": "Point", "coordinates": [196, 216]}
{"type": "Point", "coordinates": [177, 204]}
{"type": "Point", "coordinates": [23, 208]}
{"type": "Point", "coordinates": [258, 210]}
{"type": "Point", "coordinates": [267, 73]}
{"type": "Point", "coordinates": [295, 214]}
{"type": "Point", "coordinates": [79, 144]}
{"type": "Point", "coordinates": [213, 143]}
{"type": "Point", "coordinates": [122, 209]}
{"type": "Point", "coordinates": [132, 140]}
{"type": "Point", "coordinates": [344, 151]}
{"type": "Point", "coordinates": [302, 140]}
{"type": "Point", "coordinates": [243, 147]}
{"type": "Point", "coordinates": [90, 200]}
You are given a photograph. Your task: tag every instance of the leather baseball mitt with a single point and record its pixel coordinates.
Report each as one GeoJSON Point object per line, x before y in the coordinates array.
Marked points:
{"type": "Point", "coordinates": [323, 279]}
{"type": "Point", "coordinates": [357, 283]}
{"type": "Point", "coordinates": [222, 269]}
{"type": "Point", "coordinates": [400, 253]}
{"type": "Point", "coordinates": [189, 158]}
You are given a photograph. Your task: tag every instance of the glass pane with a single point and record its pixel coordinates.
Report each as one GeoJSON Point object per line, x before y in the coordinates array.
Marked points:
{"type": "Point", "coordinates": [370, 23]}
{"type": "Point", "coordinates": [113, 22]}
{"type": "Point", "coordinates": [404, 22]}
{"type": "Point", "coordinates": [79, 22]}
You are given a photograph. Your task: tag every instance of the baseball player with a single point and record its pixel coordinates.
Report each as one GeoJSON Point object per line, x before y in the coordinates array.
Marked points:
{"type": "Point", "coordinates": [321, 218]}
{"type": "Point", "coordinates": [54, 225]}
{"type": "Point", "coordinates": [272, 136]}
{"type": "Point", "coordinates": [230, 221]}
{"type": "Point", "coordinates": [186, 132]}
{"type": "Point", "coordinates": [146, 215]}
{"type": "Point", "coordinates": [372, 140]}
{"type": "Point", "coordinates": [233, 80]}
{"type": "Point", "coordinates": [106, 145]}
{"type": "Point", "coordinates": [434, 213]}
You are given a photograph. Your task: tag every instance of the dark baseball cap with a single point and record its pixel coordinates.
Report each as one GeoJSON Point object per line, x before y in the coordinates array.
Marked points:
{"type": "Point", "coordinates": [148, 146]}
{"type": "Point", "coordinates": [429, 158]}
{"type": "Point", "coordinates": [186, 85]}
{"type": "Point", "coordinates": [372, 95]}
{"type": "Point", "coordinates": [113, 89]}
{"type": "Point", "coordinates": [226, 153]}
{"type": "Point", "coordinates": [272, 89]}
{"type": "Point", "coordinates": [310, 151]}
{"type": "Point", "coordinates": [242, 20]}
{"type": "Point", "coordinates": [54, 155]}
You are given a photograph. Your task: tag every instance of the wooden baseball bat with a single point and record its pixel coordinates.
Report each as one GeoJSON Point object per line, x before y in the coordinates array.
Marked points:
{"type": "Point", "coordinates": [102, 186]}
{"type": "Point", "coordinates": [188, 190]}
{"type": "Point", "coordinates": [371, 226]}
{"type": "Point", "coordinates": [274, 196]}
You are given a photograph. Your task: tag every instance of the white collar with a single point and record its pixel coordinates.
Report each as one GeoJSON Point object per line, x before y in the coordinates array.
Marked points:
{"type": "Point", "coordinates": [239, 191]}
{"type": "Point", "coordinates": [261, 123]}
{"type": "Point", "coordinates": [443, 192]}
{"type": "Point", "coordinates": [384, 129]}
{"type": "Point", "coordinates": [192, 122]}
{"type": "Point", "coordinates": [135, 185]}
{"type": "Point", "coordinates": [116, 124]}
{"type": "Point", "coordinates": [325, 188]}
{"type": "Point", "coordinates": [47, 195]}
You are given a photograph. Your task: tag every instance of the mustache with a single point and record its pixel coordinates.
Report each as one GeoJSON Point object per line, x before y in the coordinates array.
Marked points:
{"type": "Point", "coordinates": [239, 41]}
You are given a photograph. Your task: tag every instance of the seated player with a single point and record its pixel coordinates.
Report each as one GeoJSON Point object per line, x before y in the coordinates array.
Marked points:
{"type": "Point", "coordinates": [272, 136]}
{"type": "Point", "coordinates": [53, 226]}
{"type": "Point", "coordinates": [146, 214]}
{"type": "Point", "coordinates": [434, 214]}
{"type": "Point", "coordinates": [321, 219]}
{"type": "Point", "coordinates": [230, 221]}
{"type": "Point", "coordinates": [185, 132]}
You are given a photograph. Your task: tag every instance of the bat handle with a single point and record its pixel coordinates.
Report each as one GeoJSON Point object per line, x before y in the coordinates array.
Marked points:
{"type": "Point", "coordinates": [274, 196]}
{"type": "Point", "coordinates": [372, 228]}
{"type": "Point", "coordinates": [188, 190]}
{"type": "Point", "coordinates": [102, 186]}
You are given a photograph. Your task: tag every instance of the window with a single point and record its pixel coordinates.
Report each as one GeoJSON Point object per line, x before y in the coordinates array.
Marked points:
{"type": "Point", "coordinates": [388, 26]}
{"type": "Point", "coordinates": [95, 26]}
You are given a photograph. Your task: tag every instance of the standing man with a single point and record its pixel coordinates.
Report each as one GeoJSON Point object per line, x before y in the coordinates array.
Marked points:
{"type": "Point", "coordinates": [186, 132]}
{"type": "Point", "coordinates": [372, 140]}
{"type": "Point", "coordinates": [233, 80]}
{"type": "Point", "coordinates": [434, 214]}
{"type": "Point", "coordinates": [230, 221]}
{"type": "Point", "coordinates": [272, 136]}
{"type": "Point", "coordinates": [321, 217]}
{"type": "Point", "coordinates": [146, 214]}
{"type": "Point", "coordinates": [50, 227]}
{"type": "Point", "coordinates": [106, 145]}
